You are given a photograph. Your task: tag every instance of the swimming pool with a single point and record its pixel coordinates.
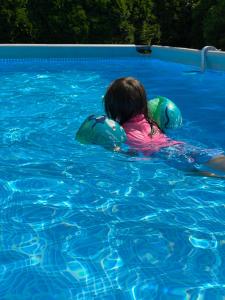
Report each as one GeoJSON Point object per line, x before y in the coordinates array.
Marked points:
{"type": "Point", "coordinates": [78, 222]}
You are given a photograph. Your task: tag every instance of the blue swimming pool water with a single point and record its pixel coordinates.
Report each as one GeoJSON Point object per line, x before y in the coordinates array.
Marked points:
{"type": "Point", "coordinates": [78, 222]}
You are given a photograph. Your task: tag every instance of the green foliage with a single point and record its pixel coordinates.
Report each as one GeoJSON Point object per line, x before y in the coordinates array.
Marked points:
{"type": "Point", "coordinates": [58, 21]}
{"type": "Point", "coordinates": [147, 29]}
{"type": "Point", "coordinates": [15, 25]}
{"type": "Point", "coordinates": [174, 17]}
{"type": "Point", "coordinates": [190, 23]}
{"type": "Point", "coordinates": [214, 25]}
{"type": "Point", "coordinates": [200, 9]}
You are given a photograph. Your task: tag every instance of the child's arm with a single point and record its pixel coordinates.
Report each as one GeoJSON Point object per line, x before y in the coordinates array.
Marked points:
{"type": "Point", "coordinates": [129, 152]}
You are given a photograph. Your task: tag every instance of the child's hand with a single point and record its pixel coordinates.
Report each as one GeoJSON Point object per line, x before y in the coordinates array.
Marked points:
{"type": "Point", "coordinates": [116, 149]}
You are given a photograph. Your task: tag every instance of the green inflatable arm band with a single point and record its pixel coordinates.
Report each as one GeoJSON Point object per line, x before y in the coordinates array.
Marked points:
{"type": "Point", "coordinates": [100, 130]}
{"type": "Point", "coordinates": [165, 113]}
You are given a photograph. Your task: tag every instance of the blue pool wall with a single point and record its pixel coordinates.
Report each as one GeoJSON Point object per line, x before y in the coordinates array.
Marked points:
{"type": "Point", "coordinates": [215, 60]}
{"type": "Point", "coordinates": [66, 51]}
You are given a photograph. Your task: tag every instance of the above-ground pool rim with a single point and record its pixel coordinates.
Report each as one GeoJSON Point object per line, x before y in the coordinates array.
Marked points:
{"type": "Point", "coordinates": [215, 59]}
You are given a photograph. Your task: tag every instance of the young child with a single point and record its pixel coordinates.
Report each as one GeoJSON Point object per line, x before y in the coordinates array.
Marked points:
{"type": "Point", "coordinates": [126, 102]}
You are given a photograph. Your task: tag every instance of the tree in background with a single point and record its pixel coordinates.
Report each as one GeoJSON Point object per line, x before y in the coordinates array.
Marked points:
{"type": "Point", "coordinates": [15, 25]}
{"type": "Point", "coordinates": [189, 23]}
{"type": "Point", "coordinates": [174, 17]}
{"type": "Point", "coordinates": [214, 25]}
{"type": "Point", "coordinates": [97, 19]}
{"type": "Point", "coordinates": [200, 9]}
{"type": "Point", "coordinates": [147, 29]}
{"type": "Point", "coordinates": [58, 21]}
{"type": "Point", "coordinates": [109, 21]}
{"type": "Point", "coordinates": [121, 14]}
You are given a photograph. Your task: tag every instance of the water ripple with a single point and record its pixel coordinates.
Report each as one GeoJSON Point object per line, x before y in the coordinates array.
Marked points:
{"type": "Point", "coordinates": [78, 222]}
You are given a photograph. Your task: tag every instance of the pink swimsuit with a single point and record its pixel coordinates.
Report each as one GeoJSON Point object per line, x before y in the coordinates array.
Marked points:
{"type": "Point", "coordinates": [139, 136]}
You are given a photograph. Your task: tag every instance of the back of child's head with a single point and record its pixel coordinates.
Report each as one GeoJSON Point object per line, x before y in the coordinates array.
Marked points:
{"type": "Point", "coordinates": [124, 99]}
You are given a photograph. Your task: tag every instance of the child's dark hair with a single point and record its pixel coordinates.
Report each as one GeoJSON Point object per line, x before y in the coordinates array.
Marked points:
{"type": "Point", "coordinates": [125, 99]}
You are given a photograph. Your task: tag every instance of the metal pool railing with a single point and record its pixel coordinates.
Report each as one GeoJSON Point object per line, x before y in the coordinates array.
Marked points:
{"type": "Point", "coordinates": [204, 52]}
